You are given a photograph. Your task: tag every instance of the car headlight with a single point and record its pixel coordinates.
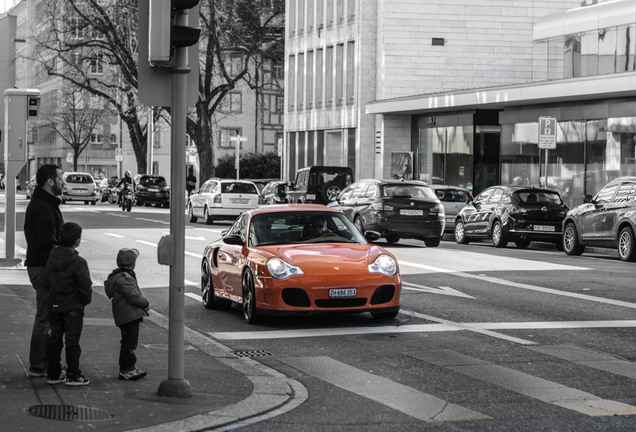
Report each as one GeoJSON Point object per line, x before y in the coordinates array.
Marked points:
{"type": "Point", "coordinates": [383, 264]}
{"type": "Point", "coordinates": [281, 269]}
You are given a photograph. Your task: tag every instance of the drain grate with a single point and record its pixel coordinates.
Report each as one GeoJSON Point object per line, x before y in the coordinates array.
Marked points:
{"type": "Point", "coordinates": [253, 353]}
{"type": "Point", "coordinates": [164, 347]}
{"type": "Point", "coordinates": [69, 413]}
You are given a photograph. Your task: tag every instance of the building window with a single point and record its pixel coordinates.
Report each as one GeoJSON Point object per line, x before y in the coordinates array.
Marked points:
{"type": "Point", "coordinates": [301, 81]}
{"type": "Point", "coordinates": [320, 5]}
{"type": "Point", "coordinates": [350, 81]}
{"type": "Point", "coordinates": [224, 137]}
{"type": "Point", "coordinates": [339, 74]}
{"type": "Point", "coordinates": [329, 77]}
{"type": "Point", "coordinates": [234, 64]}
{"type": "Point", "coordinates": [310, 79]}
{"type": "Point", "coordinates": [329, 14]}
{"type": "Point", "coordinates": [97, 65]}
{"type": "Point", "coordinates": [292, 17]}
{"type": "Point", "coordinates": [291, 79]}
{"type": "Point", "coordinates": [113, 138]}
{"type": "Point", "coordinates": [77, 27]}
{"type": "Point", "coordinates": [319, 77]}
{"type": "Point", "coordinates": [351, 10]}
{"type": "Point", "coordinates": [340, 11]}
{"type": "Point", "coordinates": [96, 138]}
{"type": "Point", "coordinates": [301, 16]}
{"type": "Point", "coordinates": [232, 103]}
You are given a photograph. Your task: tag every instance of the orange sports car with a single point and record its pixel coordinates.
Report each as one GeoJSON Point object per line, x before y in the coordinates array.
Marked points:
{"type": "Point", "coordinates": [299, 259]}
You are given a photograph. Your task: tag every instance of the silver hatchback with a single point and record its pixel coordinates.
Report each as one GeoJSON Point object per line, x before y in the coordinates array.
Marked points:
{"type": "Point", "coordinates": [453, 198]}
{"type": "Point", "coordinates": [223, 199]}
{"type": "Point", "coordinates": [79, 186]}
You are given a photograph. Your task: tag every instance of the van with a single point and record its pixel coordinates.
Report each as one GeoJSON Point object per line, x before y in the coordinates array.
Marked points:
{"type": "Point", "coordinates": [319, 184]}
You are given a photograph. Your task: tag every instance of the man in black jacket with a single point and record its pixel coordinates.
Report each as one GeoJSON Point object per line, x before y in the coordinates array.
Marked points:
{"type": "Point", "coordinates": [42, 223]}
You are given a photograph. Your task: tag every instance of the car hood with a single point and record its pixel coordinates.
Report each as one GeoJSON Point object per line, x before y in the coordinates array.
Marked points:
{"type": "Point", "coordinates": [322, 258]}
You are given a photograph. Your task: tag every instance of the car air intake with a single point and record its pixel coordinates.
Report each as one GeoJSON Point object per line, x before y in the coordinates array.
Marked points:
{"type": "Point", "coordinates": [341, 303]}
{"type": "Point", "coordinates": [383, 294]}
{"type": "Point", "coordinates": [296, 297]}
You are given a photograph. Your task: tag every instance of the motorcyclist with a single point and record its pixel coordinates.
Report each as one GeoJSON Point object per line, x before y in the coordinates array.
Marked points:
{"type": "Point", "coordinates": [125, 183]}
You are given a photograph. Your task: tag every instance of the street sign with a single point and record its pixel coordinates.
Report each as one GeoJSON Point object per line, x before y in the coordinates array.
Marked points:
{"type": "Point", "coordinates": [69, 157]}
{"type": "Point", "coordinates": [237, 140]}
{"type": "Point", "coordinates": [119, 155]}
{"type": "Point", "coordinates": [547, 133]}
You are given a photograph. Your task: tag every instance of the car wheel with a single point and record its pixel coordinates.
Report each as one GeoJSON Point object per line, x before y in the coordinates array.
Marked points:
{"type": "Point", "coordinates": [191, 215]}
{"type": "Point", "coordinates": [207, 291]}
{"type": "Point", "coordinates": [460, 233]}
{"type": "Point", "coordinates": [392, 238]}
{"type": "Point", "coordinates": [359, 225]}
{"type": "Point", "coordinates": [93, 202]}
{"type": "Point", "coordinates": [522, 243]}
{"type": "Point", "coordinates": [385, 315]}
{"type": "Point", "coordinates": [626, 249]}
{"type": "Point", "coordinates": [498, 236]}
{"type": "Point", "coordinates": [571, 244]}
{"type": "Point", "coordinates": [129, 206]}
{"type": "Point", "coordinates": [432, 242]}
{"type": "Point", "coordinates": [206, 217]}
{"type": "Point", "coordinates": [330, 191]}
{"type": "Point", "coordinates": [249, 298]}
{"type": "Point", "coordinates": [86, 202]}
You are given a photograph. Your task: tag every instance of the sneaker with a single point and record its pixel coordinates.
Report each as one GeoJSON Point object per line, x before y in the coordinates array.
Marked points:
{"type": "Point", "coordinates": [132, 375]}
{"type": "Point", "coordinates": [60, 379]}
{"type": "Point", "coordinates": [37, 374]}
{"type": "Point", "coordinates": [77, 381]}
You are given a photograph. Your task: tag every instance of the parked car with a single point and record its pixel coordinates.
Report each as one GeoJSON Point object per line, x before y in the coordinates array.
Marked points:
{"type": "Point", "coordinates": [30, 187]}
{"type": "Point", "coordinates": [522, 214]}
{"type": "Point", "coordinates": [606, 220]}
{"type": "Point", "coordinates": [319, 184]}
{"type": "Point", "coordinates": [267, 264]}
{"type": "Point", "coordinates": [222, 199]}
{"type": "Point", "coordinates": [275, 192]}
{"type": "Point", "coordinates": [394, 208]}
{"type": "Point", "coordinates": [261, 183]}
{"type": "Point", "coordinates": [79, 186]}
{"type": "Point", "coordinates": [152, 189]}
{"type": "Point", "coordinates": [18, 183]}
{"type": "Point", "coordinates": [108, 189]}
{"type": "Point", "coordinates": [453, 198]}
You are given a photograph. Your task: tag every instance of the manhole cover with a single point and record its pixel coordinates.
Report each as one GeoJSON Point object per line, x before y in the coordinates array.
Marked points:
{"type": "Point", "coordinates": [253, 353]}
{"type": "Point", "coordinates": [69, 413]}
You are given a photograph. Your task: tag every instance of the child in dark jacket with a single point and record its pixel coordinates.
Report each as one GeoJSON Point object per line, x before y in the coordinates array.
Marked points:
{"type": "Point", "coordinates": [129, 308]}
{"type": "Point", "coordinates": [70, 289]}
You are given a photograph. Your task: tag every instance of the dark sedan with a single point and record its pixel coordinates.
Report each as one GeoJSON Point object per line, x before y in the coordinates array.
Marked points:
{"type": "Point", "coordinates": [521, 214]}
{"type": "Point", "coordinates": [394, 208]}
{"type": "Point", "coordinates": [152, 189]}
{"type": "Point", "coordinates": [606, 220]}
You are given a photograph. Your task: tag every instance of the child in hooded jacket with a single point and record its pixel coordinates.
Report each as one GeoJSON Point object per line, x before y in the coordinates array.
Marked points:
{"type": "Point", "coordinates": [70, 289]}
{"type": "Point", "coordinates": [129, 308]}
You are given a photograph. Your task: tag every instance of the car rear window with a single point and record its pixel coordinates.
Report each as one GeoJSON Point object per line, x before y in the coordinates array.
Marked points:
{"type": "Point", "coordinates": [236, 187]}
{"type": "Point", "coordinates": [452, 195]}
{"type": "Point", "coordinates": [78, 178]}
{"type": "Point", "coordinates": [152, 181]}
{"type": "Point", "coordinates": [539, 197]}
{"type": "Point", "coordinates": [414, 191]}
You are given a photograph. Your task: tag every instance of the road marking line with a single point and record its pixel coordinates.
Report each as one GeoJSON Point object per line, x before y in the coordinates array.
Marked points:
{"type": "Point", "coordinates": [192, 254]}
{"type": "Point", "coordinates": [422, 328]}
{"type": "Point", "coordinates": [527, 385]}
{"type": "Point", "coordinates": [146, 243]}
{"type": "Point", "coordinates": [593, 359]}
{"type": "Point", "coordinates": [444, 290]}
{"type": "Point", "coordinates": [407, 400]}
{"type": "Point", "coordinates": [499, 281]}
{"type": "Point", "coordinates": [152, 220]}
{"type": "Point", "coordinates": [116, 215]}
{"type": "Point", "coordinates": [193, 296]}
{"type": "Point", "coordinates": [114, 235]}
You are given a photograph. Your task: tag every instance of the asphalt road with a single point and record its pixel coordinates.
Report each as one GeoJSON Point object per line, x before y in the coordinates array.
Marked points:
{"type": "Point", "coordinates": [487, 340]}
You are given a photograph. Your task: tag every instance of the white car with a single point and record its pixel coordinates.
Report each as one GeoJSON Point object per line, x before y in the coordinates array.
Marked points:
{"type": "Point", "coordinates": [79, 186]}
{"type": "Point", "coordinates": [223, 199]}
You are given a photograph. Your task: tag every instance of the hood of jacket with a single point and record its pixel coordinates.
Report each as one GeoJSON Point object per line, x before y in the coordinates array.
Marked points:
{"type": "Point", "coordinates": [111, 280]}
{"type": "Point", "coordinates": [61, 257]}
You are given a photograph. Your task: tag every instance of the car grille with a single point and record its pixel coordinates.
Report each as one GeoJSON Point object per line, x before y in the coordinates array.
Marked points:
{"type": "Point", "coordinates": [341, 303]}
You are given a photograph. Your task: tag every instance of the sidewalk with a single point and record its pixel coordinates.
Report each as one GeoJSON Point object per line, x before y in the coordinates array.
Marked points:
{"type": "Point", "coordinates": [228, 391]}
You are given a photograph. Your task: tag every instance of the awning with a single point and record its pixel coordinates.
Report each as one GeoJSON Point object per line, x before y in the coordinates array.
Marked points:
{"type": "Point", "coordinates": [584, 19]}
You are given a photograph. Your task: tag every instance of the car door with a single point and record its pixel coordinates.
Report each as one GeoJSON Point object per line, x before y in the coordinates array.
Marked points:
{"type": "Point", "coordinates": [231, 259]}
{"type": "Point", "coordinates": [197, 201]}
{"type": "Point", "coordinates": [474, 213]}
{"type": "Point", "coordinates": [596, 220]}
{"type": "Point", "coordinates": [345, 201]}
{"type": "Point", "coordinates": [615, 210]}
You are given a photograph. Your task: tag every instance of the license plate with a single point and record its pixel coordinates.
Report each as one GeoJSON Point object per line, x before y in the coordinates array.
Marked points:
{"type": "Point", "coordinates": [310, 196]}
{"type": "Point", "coordinates": [153, 190]}
{"type": "Point", "coordinates": [343, 292]}
{"type": "Point", "coordinates": [240, 201]}
{"type": "Point", "coordinates": [543, 228]}
{"type": "Point", "coordinates": [450, 220]}
{"type": "Point", "coordinates": [410, 212]}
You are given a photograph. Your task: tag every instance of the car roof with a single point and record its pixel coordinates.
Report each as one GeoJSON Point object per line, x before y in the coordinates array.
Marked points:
{"type": "Point", "coordinates": [394, 182]}
{"type": "Point", "coordinates": [516, 188]}
{"type": "Point", "coordinates": [282, 208]}
{"type": "Point", "coordinates": [77, 173]}
{"type": "Point", "coordinates": [439, 186]}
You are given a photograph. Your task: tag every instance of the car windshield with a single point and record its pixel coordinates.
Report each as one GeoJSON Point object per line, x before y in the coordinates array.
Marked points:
{"type": "Point", "coordinates": [407, 190]}
{"type": "Point", "coordinates": [539, 197]}
{"type": "Point", "coordinates": [302, 227]}
{"type": "Point", "coordinates": [152, 181]}
{"type": "Point", "coordinates": [452, 195]}
{"type": "Point", "coordinates": [78, 178]}
{"type": "Point", "coordinates": [237, 187]}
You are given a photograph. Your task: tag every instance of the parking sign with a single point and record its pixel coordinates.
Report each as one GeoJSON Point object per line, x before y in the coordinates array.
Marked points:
{"type": "Point", "coordinates": [547, 133]}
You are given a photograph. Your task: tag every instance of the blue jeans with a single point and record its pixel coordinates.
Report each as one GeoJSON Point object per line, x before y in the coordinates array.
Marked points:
{"type": "Point", "coordinates": [66, 330]}
{"type": "Point", "coordinates": [38, 353]}
{"type": "Point", "coordinates": [129, 341]}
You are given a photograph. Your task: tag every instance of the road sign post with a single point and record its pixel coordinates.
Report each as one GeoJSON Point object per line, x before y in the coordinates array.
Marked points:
{"type": "Point", "coordinates": [237, 140]}
{"type": "Point", "coordinates": [547, 139]}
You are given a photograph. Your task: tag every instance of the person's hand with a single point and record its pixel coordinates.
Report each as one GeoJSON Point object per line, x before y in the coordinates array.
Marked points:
{"type": "Point", "coordinates": [147, 308]}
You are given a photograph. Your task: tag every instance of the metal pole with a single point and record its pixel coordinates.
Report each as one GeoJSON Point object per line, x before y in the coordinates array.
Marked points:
{"type": "Point", "coordinates": [546, 168]}
{"type": "Point", "coordinates": [176, 385]}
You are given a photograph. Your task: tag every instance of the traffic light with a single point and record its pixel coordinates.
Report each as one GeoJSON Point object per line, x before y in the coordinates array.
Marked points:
{"type": "Point", "coordinates": [33, 107]}
{"type": "Point", "coordinates": [164, 34]}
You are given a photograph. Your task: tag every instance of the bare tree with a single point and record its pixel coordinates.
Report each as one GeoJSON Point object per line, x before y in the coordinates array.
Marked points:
{"type": "Point", "coordinates": [76, 120]}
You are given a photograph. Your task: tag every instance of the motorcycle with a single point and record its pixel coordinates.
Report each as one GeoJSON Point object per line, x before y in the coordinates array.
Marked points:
{"type": "Point", "coordinates": [127, 199]}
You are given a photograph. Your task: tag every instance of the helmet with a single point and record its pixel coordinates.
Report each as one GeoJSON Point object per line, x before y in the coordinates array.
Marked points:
{"type": "Point", "coordinates": [127, 174]}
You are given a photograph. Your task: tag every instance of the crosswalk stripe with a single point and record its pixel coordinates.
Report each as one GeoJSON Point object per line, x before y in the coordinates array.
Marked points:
{"type": "Point", "coordinates": [527, 385]}
{"type": "Point", "coordinates": [589, 358]}
{"type": "Point", "coordinates": [414, 403]}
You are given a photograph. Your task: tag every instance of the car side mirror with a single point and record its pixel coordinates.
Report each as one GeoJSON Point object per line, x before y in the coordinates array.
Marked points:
{"type": "Point", "coordinates": [372, 235]}
{"type": "Point", "coordinates": [233, 239]}
{"type": "Point", "coordinates": [587, 199]}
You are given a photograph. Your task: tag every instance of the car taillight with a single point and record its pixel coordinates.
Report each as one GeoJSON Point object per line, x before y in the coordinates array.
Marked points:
{"type": "Point", "coordinates": [217, 199]}
{"type": "Point", "coordinates": [519, 210]}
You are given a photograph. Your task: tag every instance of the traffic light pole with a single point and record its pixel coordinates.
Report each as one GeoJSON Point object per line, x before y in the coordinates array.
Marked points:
{"type": "Point", "coordinates": [176, 385]}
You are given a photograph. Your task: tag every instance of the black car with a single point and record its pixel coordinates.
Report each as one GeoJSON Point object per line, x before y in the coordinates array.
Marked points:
{"type": "Point", "coordinates": [606, 220]}
{"type": "Point", "coordinates": [394, 208]}
{"type": "Point", "coordinates": [152, 189]}
{"type": "Point", "coordinates": [522, 214]}
{"type": "Point", "coordinates": [319, 184]}
{"type": "Point", "coordinates": [274, 192]}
